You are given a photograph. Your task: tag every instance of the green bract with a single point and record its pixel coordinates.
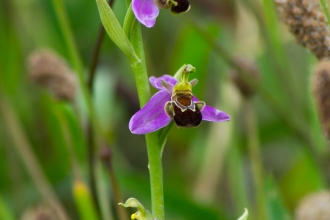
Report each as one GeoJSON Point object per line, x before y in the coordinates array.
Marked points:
{"type": "Point", "coordinates": [115, 31]}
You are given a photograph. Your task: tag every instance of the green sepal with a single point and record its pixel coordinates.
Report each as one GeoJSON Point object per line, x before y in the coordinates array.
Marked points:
{"type": "Point", "coordinates": [115, 31]}
{"type": "Point", "coordinates": [128, 21]}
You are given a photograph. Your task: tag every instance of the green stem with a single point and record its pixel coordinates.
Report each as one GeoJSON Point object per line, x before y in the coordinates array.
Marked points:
{"type": "Point", "coordinates": [68, 36]}
{"type": "Point", "coordinates": [74, 55]}
{"type": "Point", "coordinates": [255, 157]}
{"type": "Point", "coordinates": [62, 113]}
{"type": "Point", "coordinates": [156, 175]}
{"type": "Point", "coordinates": [96, 133]}
{"type": "Point", "coordinates": [139, 68]}
{"type": "Point", "coordinates": [152, 140]}
{"type": "Point", "coordinates": [325, 9]}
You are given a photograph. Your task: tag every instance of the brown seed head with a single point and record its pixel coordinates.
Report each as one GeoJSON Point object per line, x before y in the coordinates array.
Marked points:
{"type": "Point", "coordinates": [315, 206]}
{"type": "Point", "coordinates": [40, 212]}
{"type": "Point", "coordinates": [250, 68]}
{"type": "Point", "coordinates": [50, 71]}
{"type": "Point", "coordinates": [321, 90]}
{"type": "Point", "coordinates": [307, 22]}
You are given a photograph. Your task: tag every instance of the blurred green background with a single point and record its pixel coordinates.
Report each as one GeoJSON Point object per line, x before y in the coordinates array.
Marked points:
{"type": "Point", "coordinates": [208, 171]}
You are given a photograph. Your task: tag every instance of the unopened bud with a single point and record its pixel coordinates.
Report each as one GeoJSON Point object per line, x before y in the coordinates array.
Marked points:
{"type": "Point", "coordinates": [321, 90]}
{"type": "Point", "coordinates": [50, 71]}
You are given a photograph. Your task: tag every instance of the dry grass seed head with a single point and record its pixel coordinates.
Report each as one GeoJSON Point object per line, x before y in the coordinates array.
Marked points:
{"type": "Point", "coordinates": [49, 70]}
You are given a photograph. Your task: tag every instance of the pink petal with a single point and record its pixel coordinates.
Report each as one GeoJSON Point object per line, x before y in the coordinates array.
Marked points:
{"type": "Point", "coordinates": [157, 82]}
{"type": "Point", "coordinates": [146, 12]}
{"type": "Point", "coordinates": [152, 116]}
{"type": "Point", "coordinates": [212, 114]}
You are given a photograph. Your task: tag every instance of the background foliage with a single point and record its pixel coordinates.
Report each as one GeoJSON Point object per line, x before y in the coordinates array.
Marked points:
{"type": "Point", "coordinates": [208, 170]}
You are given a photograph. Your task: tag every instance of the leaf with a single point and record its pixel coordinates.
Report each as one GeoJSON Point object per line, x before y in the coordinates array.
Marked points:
{"type": "Point", "coordinates": [115, 31]}
{"type": "Point", "coordinates": [275, 205]}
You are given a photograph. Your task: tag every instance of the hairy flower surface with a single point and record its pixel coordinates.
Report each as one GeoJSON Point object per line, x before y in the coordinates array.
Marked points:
{"type": "Point", "coordinates": [174, 100]}
{"type": "Point", "coordinates": [146, 11]}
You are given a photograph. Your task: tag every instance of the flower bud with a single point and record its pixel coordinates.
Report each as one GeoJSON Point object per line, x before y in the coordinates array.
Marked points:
{"type": "Point", "coordinates": [307, 22]}
{"type": "Point", "coordinates": [251, 69]}
{"type": "Point", "coordinates": [141, 214]}
{"type": "Point", "coordinates": [50, 71]}
{"type": "Point", "coordinates": [315, 206]}
{"type": "Point", "coordinates": [321, 90]}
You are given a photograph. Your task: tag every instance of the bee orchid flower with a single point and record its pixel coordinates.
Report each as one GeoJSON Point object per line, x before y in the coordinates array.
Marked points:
{"type": "Point", "coordinates": [174, 101]}
{"type": "Point", "coordinates": [146, 11]}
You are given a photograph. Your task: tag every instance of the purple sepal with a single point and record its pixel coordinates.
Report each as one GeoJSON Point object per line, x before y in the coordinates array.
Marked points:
{"type": "Point", "coordinates": [146, 12]}
{"type": "Point", "coordinates": [152, 116]}
{"type": "Point", "coordinates": [212, 114]}
{"type": "Point", "coordinates": [157, 82]}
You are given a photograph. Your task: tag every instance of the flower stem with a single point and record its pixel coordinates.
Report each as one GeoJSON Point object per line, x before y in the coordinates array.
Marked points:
{"type": "Point", "coordinates": [78, 66]}
{"type": "Point", "coordinates": [153, 144]}
{"type": "Point", "coordinates": [156, 175]}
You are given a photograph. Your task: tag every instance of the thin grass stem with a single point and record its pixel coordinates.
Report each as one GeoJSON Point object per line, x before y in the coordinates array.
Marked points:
{"type": "Point", "coordinates": [324, 5]}
{"type": "Point", "coordinates": [255, 157]}
{"type": "Point", "coordinates": [24, 150]}
{"type": "Point", "coordinates": [78, 66]}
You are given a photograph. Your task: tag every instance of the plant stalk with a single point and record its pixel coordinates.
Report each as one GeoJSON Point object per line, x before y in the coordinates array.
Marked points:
{"type": "Point", "coordinates": [78, 66]}
{"type": "Point", "coordinates": [255, 157]}
{"type": "Point", "coordinates": [152, 141]}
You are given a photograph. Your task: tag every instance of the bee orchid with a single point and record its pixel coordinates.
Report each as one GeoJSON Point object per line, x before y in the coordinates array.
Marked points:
{"type": "Point", "coordinates": [174, 101]}
{"type": "Point", "coordinates": [146, 11]}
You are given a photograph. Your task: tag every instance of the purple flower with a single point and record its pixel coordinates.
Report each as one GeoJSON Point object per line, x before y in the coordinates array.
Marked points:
{"type": "Point", "coordinates": [146, 11]}
{"type": "Point", "coordinates": [173, 101]}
